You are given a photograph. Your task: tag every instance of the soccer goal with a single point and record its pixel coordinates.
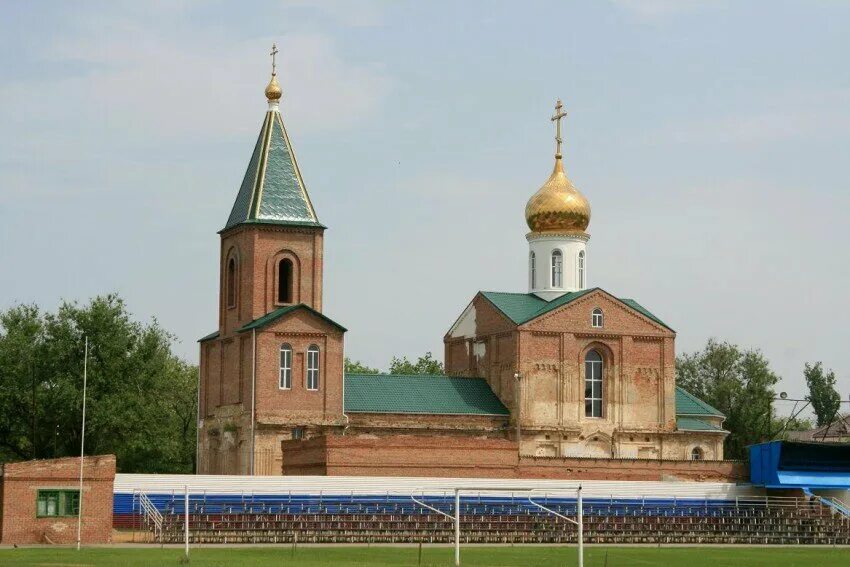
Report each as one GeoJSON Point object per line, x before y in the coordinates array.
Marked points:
{"type": "Point", "coordinates": [523, 491]}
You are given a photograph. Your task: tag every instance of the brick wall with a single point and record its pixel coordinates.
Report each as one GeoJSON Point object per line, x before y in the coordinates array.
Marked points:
{"type": "Point", "coordinates": [400, 455]}
{"type": "Point", "coordinates": [638, 386]}
{"type": "Point", "coordinates": [632, 469]}
{"type": "Point", "coordinates": [257, 250]}
{"type": "Point", "coordinates": [20, 485]}
{"type": "Point", "coordinates": [439, 456]}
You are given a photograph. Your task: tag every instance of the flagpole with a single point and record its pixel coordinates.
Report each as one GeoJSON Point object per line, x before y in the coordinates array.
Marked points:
{"type": "Point", "coordinates": [82, 446]}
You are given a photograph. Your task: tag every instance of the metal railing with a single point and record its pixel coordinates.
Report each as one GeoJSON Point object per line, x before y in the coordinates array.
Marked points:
{"type": "Point", "coordinates": [518, 515]}
{"type": "Point", "coordinates": [150, 514]}
{"type": "Point", "coordinates": [834, 504]}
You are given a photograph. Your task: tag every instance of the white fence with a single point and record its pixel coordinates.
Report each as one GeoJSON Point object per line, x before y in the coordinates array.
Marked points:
{"type": "Point", "coordinates": [233, 484]}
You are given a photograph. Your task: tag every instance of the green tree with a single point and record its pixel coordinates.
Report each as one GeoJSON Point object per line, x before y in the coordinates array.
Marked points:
{"type": "Point", "coordinates": [21, 347]}
{"type": "Point", "coordinates": [737, 382]}
{"type": "Point", "coordinates": [425, 364]}
{"type": "Point", "coordinates": [140, 402]}
{"type": "Point", "coordinates": [357, 367]}
{"type": "Point", "coordinates": [823, 396]}
{"type": "Point", "coordinates": [781, 429]}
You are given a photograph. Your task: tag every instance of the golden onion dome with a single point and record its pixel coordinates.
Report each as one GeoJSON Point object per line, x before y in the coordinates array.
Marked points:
{"type": "Point", "coordinates": [273, 91]}
{"type": "Point", "coordinates": [558, 206]}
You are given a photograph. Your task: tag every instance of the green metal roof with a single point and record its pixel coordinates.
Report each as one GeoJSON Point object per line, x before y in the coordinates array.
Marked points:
{"type": "Point", "coordinates": [420, 394]}
{"type": "Point", "coordinates": [278, 313]}
{"type": "Point", "coordinates": [273, 190]}
{"type": "Point", "coordinates": [694, 424]}
{"type": "Point", "coordinates": [211, 336]}
{"type": "Point", "coordinates": [523, 307]}
{"type": "Point", "coordinates": [689, 404]}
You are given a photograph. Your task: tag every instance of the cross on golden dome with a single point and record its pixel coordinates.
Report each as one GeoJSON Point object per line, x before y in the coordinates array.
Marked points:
{"type": "Point", "coordinates": [273, 92]}
{"type": "Point", "coordinates": [274, 55]}
{"type": "Point", "coordinates": [557, 120]}
{"type": "Point", "coordinates": [558, 207]}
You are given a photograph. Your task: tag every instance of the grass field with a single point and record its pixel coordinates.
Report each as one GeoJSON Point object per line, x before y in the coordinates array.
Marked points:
{"type": "Point", "coordinates": [433, 556]}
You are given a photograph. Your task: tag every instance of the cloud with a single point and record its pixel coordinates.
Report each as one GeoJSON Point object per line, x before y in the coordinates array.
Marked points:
{"type": "Point", "coordinates": [654, 10]}
{"type": "Point", "coordinates": [346, 12]}
{"type": "Point", "coordinates": [189, 86]}
{"type": "Point", "coordinates": [776, 118]}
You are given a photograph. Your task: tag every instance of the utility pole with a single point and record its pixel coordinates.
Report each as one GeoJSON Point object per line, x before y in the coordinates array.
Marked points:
{"type": "Point", "coordinates": [82, 446]}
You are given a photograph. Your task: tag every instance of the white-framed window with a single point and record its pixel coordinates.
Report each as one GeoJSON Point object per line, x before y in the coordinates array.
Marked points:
{"type": "Point", "coordinates": [592, 384]}
{"type": "Point", "coordinates": [557, 268]}
{"type": "Point", "coordinates": [532, 268]}
{"type": "Point", "coordinates": [313, 368]}
{"type": "Point", "coordinates": [285, 367]}
{"type": "Point", "coordinates": [696, 454]}
{"type": "Point", "coordinates": [596, 318]}
{"type": "Point", "coordinates": [581, 269]}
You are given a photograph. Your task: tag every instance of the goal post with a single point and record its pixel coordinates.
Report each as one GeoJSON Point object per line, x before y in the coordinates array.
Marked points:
{"type": "Point", "coordinates": [458, 490]}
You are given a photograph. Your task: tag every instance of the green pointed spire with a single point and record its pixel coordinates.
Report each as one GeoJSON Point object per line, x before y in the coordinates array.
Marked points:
{"type": "Point", "coordinates": [273, 190]}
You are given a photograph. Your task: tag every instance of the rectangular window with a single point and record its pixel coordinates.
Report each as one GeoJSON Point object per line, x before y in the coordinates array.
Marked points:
{"type": "Point", "coordinates": [593, 388]}
{"type": "Point", "coordinates": [597, 318]}
{"type": "Point", "coordinates": [57, 503]}
{"type": "Point", "coordinates": [557, 269]}
{"type": "Point", "coordinates": [313, 368]}
{"type": "Point", "coordinates": [285, 367]}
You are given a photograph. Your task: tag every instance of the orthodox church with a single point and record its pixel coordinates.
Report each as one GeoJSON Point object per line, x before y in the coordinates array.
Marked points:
{"type": "Point", "coordinates": [562, 373]}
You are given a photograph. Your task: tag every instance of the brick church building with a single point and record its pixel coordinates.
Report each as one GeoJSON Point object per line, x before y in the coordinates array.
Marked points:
{"type": "Point", "coordinates": [563, 372]}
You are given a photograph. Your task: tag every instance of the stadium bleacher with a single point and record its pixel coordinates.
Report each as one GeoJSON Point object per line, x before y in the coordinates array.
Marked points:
{"type": "Point", "coordinates": [382, 510]}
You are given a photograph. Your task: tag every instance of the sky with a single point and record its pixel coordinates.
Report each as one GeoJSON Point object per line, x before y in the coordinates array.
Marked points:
{"type": "Point", "coordinates": [711, 138]}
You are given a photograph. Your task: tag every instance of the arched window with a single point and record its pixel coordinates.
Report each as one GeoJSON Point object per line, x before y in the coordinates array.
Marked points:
{"type": "Point", "coordinates": [557, 268]}
{"type": "Point", "coordinates": [313, 368]}
{"type": "Point", "coordinates": [285, 367]}
{"type": "Point", "coordinates": [230, 284]}
{"type": "Point", "coordinates": [592, 384]}
{"type": "Point", "coordinates": [581, 270]}
{"type": "Point", "coordinates": [532, 268]}
{"type": "Point", "coordinates": [696, 454]}
{"type": "Point", "coordinates": [284, 281]}
{"type": "Point", "coordinates": [596, 318]}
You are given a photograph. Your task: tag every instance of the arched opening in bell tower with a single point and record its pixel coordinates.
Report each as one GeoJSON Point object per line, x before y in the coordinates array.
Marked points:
{"type": "Point", "coordinates": [284, 281]}
{"type": "Point", "coordinates": [230, 283]}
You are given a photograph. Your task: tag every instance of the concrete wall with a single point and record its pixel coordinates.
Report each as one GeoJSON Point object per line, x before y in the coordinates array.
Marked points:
{"type": "Point", "coordinates": [20, 485]}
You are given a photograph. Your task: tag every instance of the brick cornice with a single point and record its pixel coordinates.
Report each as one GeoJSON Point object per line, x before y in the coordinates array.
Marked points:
{"type": "Point", "coordinates": [300, 334]}
{"type": "Point", "coordinates": [240, 228]}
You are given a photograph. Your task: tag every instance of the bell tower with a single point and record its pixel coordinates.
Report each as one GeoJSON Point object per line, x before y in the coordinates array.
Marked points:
{"type": "Point", "coordinates": [273, 369]}
{"type": "Point", "coordinates": [271, 245]}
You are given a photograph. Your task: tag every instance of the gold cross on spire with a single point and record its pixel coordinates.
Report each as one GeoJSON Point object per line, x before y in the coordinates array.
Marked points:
{"type": "Point", "coordinates": [557, 120]}
{"type": "Point", "coordinates": [274, 56]}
